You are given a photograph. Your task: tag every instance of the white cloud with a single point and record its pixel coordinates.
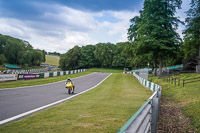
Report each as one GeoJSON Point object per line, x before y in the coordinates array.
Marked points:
{"type": "Point", "coordinates": [14, 28]}
{"type": "Point", "coordinates": [121, 26]}
{"type": "Point", "coordinates": [59, 28]}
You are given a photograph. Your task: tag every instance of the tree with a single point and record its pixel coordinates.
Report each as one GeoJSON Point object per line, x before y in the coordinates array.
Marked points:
{"type": "Point", "coordinates": [154, 31]}
{"type": "Point", "coordinates": [63, 61]}
{"type": "Point", "coordinates": [2, 59]}
{"type": "Point", "coordinates": [37, 57]}
{"type": "Point", "coordinates": [70, 60]}
{"type": "Point", "coordinates": [104, 54]}
{"type": "Point", "coordinates": [87, 59]}
{"type": "Point", "coordinates": [192, 32]}
{"type": "Point", "coordinates": [16, 51]}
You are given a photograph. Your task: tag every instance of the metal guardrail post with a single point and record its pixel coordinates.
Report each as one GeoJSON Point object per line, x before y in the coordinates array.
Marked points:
{"type": "Point", "coordinates": [159, 99]}
{"type": "Point", "coordinates": [154, 114]}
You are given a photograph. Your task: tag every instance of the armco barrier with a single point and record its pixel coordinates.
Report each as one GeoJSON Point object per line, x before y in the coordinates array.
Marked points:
{"type": "Point", "coordinates": [146, 118]}
{"type": "Point", "coordinates": [55, 74]}
{"type": "Point", "coordinates": [9, 77]}
{"type": "Point", "coordinates": [59, 73]}
{"type": "Point", "coordinates": [51, 74]}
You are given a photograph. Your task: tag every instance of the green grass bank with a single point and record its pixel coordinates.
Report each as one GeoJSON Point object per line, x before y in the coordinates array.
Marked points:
{"type": "Point", "coordinates": [106, 108]}
{"type": "Point", "coordinates": [188, 97]}
{"type": "Point", "coordinates": [52, 59]}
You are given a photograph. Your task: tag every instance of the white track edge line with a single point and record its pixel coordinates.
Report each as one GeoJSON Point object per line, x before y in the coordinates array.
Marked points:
{"type": "Point", "coordinates": [4, 89]}
{"type": "Point", "coordinates": [48, 105]}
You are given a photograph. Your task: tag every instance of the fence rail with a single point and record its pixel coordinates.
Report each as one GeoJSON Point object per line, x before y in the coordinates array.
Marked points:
{"type": "Point", "coordinates": [192, 80]}
{"type": "Point", "coordinates": [146, 118]}
{"type": "Point", "coordinates": [178, 81]}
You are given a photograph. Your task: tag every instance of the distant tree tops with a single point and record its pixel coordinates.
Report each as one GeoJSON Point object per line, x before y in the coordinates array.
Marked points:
{"type": "Point", "coordinates": [53, 53]}
{"type": "Point", "coordinates": [105, 55]}
{"type": "Point", "coordinates": [20, 52]}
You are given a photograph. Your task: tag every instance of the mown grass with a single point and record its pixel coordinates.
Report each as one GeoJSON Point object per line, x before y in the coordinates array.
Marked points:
{"type": "Point", "coordinates": [106, 108]}
{"type": "Point", "coordinates": [187, 97]}
{"type": "Point", "coordinates": [52, 60]}
{"type": "Point", "coordinates": [105, 70]}
{"type": "Point", "coordinates": [21, 83]}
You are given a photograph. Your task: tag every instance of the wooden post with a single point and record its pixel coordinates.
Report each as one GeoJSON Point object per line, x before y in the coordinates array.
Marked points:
{"type": "Point", "coordinates": [183, 82]}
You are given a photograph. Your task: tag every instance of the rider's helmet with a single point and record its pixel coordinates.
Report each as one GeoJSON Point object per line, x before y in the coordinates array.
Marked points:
{"type": "Point", "coordinates": [68, 78]}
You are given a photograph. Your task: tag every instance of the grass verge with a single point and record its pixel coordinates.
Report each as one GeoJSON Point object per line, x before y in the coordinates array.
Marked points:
{"type": "Point", "coordinates": [103, 109]}
{"type": "Point", "coordinates": [21, 83]}
{"type": "Point", "coordinates": [188, 97]}
{"type": "Point", "coordinates": [105, 70]}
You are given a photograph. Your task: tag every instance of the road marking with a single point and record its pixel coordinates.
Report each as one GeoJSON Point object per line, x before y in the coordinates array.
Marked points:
{"type": "Point", "coordinates": [4, 89]}
{"type": "Point", "coordinates": [48, 105]}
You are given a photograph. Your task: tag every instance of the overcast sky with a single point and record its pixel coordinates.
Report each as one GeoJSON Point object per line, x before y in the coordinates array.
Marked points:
{"type": "Point", "coordinates": [58, 25]}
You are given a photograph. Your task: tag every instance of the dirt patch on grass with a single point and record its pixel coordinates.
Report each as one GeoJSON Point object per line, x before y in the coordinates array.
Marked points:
{"type": "Point", "coordinates": [171, 119]}
{"type": "Point", "coordinates": [89, 125]}
{"type": "Point", "coordinates": [84, 124]}
{"type": "Point", "coordinates": [85, 115]}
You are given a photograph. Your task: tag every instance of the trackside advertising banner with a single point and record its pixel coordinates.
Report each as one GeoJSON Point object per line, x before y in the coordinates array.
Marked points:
{"type": "Point", "coordinates": [28, 76]}
{"type": "Point", "coordinates": [8, 77]}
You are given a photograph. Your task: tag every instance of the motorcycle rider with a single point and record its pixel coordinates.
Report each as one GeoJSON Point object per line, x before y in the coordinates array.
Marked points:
{"type": "Point", "coordinates": [69, 80]}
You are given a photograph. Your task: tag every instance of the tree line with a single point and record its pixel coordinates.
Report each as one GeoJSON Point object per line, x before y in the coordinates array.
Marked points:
{"type": "Point", "coordinates": [153, 40]}
{"type": "Point", "coordinates": [104, 55]}
{"type": "Point", "coordinates": [19, 52]}
{"type": "Point", "coordinates": [53, 53]}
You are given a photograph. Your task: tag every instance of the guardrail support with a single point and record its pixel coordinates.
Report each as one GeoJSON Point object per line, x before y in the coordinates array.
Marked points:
{"type": "Point", "coordinates": [154, 114]}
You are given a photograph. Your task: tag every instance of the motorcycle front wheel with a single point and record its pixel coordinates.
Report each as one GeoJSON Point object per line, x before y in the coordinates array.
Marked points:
{"type": "Point", "coordinates": [69, 91]}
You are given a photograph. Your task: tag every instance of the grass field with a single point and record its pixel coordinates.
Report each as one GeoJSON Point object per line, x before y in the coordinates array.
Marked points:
{"type": "Point", "coordinates": [105, 70]}
{"type": "Point", "coordinates": [188, 97]}
{"type": "Point", "coordinates": [52, 60]}
{"type": "Point", "coordinates": [106, 108]}
{"type": "Point", "coordinates": [21, 83]}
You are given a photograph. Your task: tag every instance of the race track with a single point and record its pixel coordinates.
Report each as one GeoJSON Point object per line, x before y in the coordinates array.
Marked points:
{"type": "Point", "coordinates": [16, 101]}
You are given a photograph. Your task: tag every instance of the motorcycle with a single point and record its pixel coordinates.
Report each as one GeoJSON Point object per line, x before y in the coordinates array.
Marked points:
{"type": "Point", "coordinates": [70, 88]}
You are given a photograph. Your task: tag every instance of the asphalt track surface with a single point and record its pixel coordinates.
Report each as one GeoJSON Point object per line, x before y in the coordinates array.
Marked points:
{"type": "Point", "coordinates": [16, 101]}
